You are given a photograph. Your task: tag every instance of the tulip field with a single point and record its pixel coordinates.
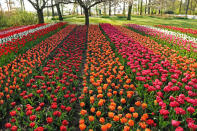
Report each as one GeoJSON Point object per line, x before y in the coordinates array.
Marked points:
{"type": "Point", "coordinates": [62, 77]}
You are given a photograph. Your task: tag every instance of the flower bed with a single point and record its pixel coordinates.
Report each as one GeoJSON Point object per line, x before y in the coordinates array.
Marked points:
{"type": "Point", "coordinates": [16, 44]}
{"type": "Point", "coordinates": [183, 30]}
{"type": "Point", "coordinates": [50, 98]}
{"type": "Point", "coordinates": [170, 94]}
{"type": "Point", "coordinates": [19, 30]}
{"type": "Point", "coordinates": [14, 76]}
{"type": "Point", "coordinates": [185, 64]}
{"type": "Point", "coordinates": [108, 100]}
{"type": "Point", "coordinates": [179, 44]}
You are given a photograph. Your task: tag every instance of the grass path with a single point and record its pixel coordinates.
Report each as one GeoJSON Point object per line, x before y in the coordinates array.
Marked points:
{"type": "Point", "coordinates": [143, 20]}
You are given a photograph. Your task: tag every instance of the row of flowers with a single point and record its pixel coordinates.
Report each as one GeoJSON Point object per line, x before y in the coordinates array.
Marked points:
{"type": "Point", "coordinates": [26, 32]}
{"type": "Point", "coordinates": [15, 75]}
{"type": "Point", "coordinates": [49, 101]}
{"type": "Point", "coordinates": [186, 47]}
{"type": "Point", "coordinates": [176, 34]}
{"type": "Point", "coordinates": [12, 28]}
{"type": "Point", "coordinates": [188, 65]}
{"type": "Point", "coordinates": [183, 30]}
{"type": "Point", "coordinates": [169, 93]}
{"type": "Point", "coordinates": [108, 100]}
{"type": "Point", "coordinates": [16, 44]}
{"type": "Point", "coordinates": [19, 30]}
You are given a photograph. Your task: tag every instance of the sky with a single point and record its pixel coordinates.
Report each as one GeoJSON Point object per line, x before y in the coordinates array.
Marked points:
{"type": "Point", "coordinates": [28, 6]}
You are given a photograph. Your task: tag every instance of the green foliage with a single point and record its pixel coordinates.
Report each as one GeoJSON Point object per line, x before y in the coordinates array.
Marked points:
{"type": "Point", "coordinates": [17, 18]}
{"type": "Point", "coordinates": [169, 12]}
{"type": "Point", "coordinates": [105, 16]}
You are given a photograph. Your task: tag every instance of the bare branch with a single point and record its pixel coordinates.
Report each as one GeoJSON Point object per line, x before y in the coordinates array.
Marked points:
{"type": "Point", "coordinates": [34, 4]}
{"type": "Point", "coordinates": [97, 2]}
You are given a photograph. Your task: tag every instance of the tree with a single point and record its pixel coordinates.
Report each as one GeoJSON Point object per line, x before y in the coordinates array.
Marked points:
{"type": "Point", "coordinates": [129, 10]}
{"type": "Point", "coordinates": [124, 8]}
{"type": "Point", "coordinates": [1, 8]}
{"type": "Point", "coordinates": [39, 5]}
{"type": "Point", "coordinates": [86, 5]}
{"type": "Point", "coordinates": [149, 5]}
{"type": "Point", "coordinates": [187, 7]}
{"type": "Point", "coordinates": [22, 4]}
{"type": "Point", "coordinates": [57, 4]}
{"type": "Point", "coordinates": [145, 7]}
{"type": "Point", "coordinates": [104, 4]}
{"type": "Point", "coordinates": [141, 7]}
{"type": "Point", "coordinates": [110, 7]}
{"type": "Point", "coordinates": [53, 13]}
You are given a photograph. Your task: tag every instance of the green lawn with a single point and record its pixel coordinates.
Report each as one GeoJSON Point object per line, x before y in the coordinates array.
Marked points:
{"type": "Point", "coordinates": [144, 20]}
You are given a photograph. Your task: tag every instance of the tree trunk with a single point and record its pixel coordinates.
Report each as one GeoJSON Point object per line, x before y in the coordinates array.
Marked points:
{"type": "Point", "coordinates": [23, 5]}
{"type": "Point", "coordinates": [53, 14]}
{"type": "Point", "coordinates": [110, 8]}
{"type": "Point", "coordinates": [180, 7]}
{"type": "Point", "coordinates": [129, 12]}
{"type": "Point", "coordinates": [86, 12]}
{"type": "Point", "coordinates": [81, 11]}
{"type": "Point", "coordinates": [145, 8]}
{"type": "Point", "coordinates": [8, 5]}
{"type": "Point", "coordinates": [123, 9]}
{"type": "Point", "coordinates": [40, 16]}
{"type": "Point", "coordinates": [62, 5]}
{"type": "Point", "coordinates": [47, 10]}
{"type": "Point", "coordinates": [59, 11]}
{"type": "Point", "coordinates": [114, 10]}
{"type": "Point", "coordinates": [90, 14]}
{"type": "Point", "coordinates": [188, 1]}
{"type": "Point", "coordinates": [96, 10]}
{"type": "Point", "coordinates": [149, 6]}
{"type": "Point", "coordinates": [104, 8]}
{"type": "Point", "coordinates": [194, 9]}
{"type": "Point", "coordinates": [141, 8]}
{"type": "Point", "coordinates": [138, 7]}
{"type": "Point", "coordinates": [191, 7]}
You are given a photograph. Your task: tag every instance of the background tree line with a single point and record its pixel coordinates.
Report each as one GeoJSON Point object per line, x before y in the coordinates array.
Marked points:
{"type": "Point", "coordinates": [124, 8]}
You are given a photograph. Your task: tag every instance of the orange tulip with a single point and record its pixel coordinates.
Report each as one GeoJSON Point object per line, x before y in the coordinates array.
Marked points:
{"type": "Point", "coordinates": [92, 109]}
{"type": "Point", "coordinates": [126, 128]}
{"type": "Point", "coordinates": [131, 109]}
{"type": "Point", "coordinates": [98, 113]}
{"type": "Point", "coordinates": [123, 100]}
{"type": "Point", "coordinates": [82, 104]}
{"type": "Point", "coordinates": [131, 123]}
{"type": "Point", "coordinates": [135, 115]}
{"type": "Point", "coordinates": [83, 112]}
{"type": "Point", "coordinates": [144, 106]}
{"type": "Point", "coordinates": [138, 103]}
{"type": "Point", "coordinates": [102, 120]}
{"type": "Point", "coordinates": [110, 114]}
{"type": "Point", "coordinates": [116, 118]}
{"type": "Point", "coordinates": [82, 127]}
{"type": "Point", "coordinates": [91, 118]}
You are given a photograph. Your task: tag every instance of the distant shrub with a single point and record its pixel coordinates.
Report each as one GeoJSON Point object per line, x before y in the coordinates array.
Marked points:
{"type": "Point", "coordinates": [105, 16]}
{"type": "Point", "coordinates": [169, 12]}
{"type": "Point", "coordinates": [17, 18]}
